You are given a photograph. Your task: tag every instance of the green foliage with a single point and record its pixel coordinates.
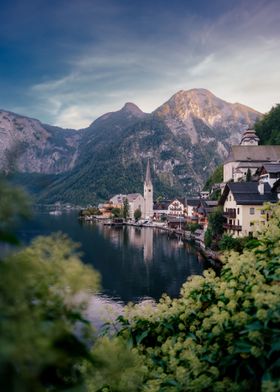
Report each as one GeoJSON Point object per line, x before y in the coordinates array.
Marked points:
{"type": "Point", "coordinates": [137, 214]}
{"type": "Point", "coordinates": [14, 205]}
{"type": "Point", "coordinates": [117, 212]}
{"type": "Point", "coordinates": [90, 211]}
{"type": "Point", "coordinates": [268, 128]}
{"type": "Point", "coordinates": [208, 237]}
{"type": "Point", "coordinates": [122, 369]}
{"type": "Point", "coordinates": [45, 338]}
{"type": "Point", "coordinates": [192, 227]}
{"type": "Point", "coordinates": [228, 242]}
{"type": "Point", "coordinates": [40, 311]}
{"type": "Point", "coordinates": [125, 209]}
{"type": "Point", "coordinates": [216, 220]}
{"type": "Point", "coordinates": [215, 195]}
{"type": "Point", "coordinates": [215, 178]}
{"type": "Point", "coordinates": [223, 333]}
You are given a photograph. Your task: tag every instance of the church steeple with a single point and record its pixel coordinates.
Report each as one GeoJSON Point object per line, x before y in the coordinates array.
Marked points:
{"type": "Point", "coordinates": [148, 193]}
{"type": "Point", "coordinates": [148, 179]}
{"type": "Point", "coordinates": [249, 138]}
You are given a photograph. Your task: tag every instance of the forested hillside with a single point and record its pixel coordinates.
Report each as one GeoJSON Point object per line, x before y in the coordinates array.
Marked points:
{"type": "Point", "coordinates": [268, 128]}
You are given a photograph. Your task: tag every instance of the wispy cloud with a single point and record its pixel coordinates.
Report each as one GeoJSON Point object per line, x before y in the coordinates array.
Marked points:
{"type": "Point", "coordinates": [235, 54]}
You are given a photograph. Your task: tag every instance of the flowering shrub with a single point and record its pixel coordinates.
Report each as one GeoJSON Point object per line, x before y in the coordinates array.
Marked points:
{"type": "Point", "coordinates": [223, 333]}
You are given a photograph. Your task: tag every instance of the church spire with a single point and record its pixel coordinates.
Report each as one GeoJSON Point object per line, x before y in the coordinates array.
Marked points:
{"type": "Point", "coordinates": [148, 179]}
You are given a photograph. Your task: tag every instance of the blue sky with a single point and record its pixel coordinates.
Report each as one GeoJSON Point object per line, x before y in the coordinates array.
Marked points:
{"type": "Point", "coordinates": [66, 62]}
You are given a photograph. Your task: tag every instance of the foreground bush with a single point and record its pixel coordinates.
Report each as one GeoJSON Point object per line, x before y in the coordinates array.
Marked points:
{"type": "Point", "coordinates": [223, 333]}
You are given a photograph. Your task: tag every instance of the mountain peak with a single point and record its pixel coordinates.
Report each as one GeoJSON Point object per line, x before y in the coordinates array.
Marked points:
{"type": "Point", "coordinates": [194, 91]}
{"type": "Point", "coordinates": [131, 108]}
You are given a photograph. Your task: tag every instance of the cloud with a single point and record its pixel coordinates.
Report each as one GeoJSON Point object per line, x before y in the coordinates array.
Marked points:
{"type": "Point", "coordinates": [234, 54]}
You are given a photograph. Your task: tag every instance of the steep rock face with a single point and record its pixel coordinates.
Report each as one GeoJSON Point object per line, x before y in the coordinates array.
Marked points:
{"type": "Point", "coordinates": [226, 120]}
{"type": "Point", "coordinates": [27, 145]}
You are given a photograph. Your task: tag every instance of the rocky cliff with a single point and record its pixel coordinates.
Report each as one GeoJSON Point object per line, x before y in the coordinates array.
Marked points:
{"type": "Point", "coordinates": [27, 145]}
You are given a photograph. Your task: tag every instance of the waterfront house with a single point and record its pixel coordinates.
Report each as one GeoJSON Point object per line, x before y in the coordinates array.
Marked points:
{"type": "Point", "coordinates": [176, 207]}
{"type": "Point", "coordinates": [202, 210]}
{"type": "Point", "coordinates": [243, 206]}
{"type": "Point", "coordinates": [191, 204]}
{"type": "Point", "coordinates": [176, 222]}
{"type": "Point", "coordinates": [161, 208]}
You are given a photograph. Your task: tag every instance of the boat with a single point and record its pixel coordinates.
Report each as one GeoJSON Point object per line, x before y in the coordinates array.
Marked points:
{"type": "Point", "coordinates": [56, 212]}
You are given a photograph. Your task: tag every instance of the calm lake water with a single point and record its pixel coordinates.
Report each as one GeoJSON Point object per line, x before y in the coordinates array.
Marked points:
{"type": "Point", "coordinates": [135, 263]}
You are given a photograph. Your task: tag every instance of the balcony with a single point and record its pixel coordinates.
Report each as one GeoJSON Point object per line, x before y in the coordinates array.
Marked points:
{"type": "Point", "coordinates": [232, 227]}
{"type": "Point", "coordinates": [230, 213]}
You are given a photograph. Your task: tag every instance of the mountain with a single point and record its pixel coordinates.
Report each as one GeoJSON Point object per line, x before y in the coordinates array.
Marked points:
{"type": "Point", "coordinates": [29, 146]}
{"type": "Point", "coordinates": [185, 139]}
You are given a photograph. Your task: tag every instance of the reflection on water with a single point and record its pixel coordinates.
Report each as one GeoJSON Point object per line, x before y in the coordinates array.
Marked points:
{"type": "Point", "coordinates": [135, 263]}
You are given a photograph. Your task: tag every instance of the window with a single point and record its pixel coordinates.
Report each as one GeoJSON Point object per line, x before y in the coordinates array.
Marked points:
{"type": "Point", "coordinates": [252, 211]}
{"type": "Point", "coordinates": [237, 211]}
{"type": "Point", "coordinates": [262, 212]}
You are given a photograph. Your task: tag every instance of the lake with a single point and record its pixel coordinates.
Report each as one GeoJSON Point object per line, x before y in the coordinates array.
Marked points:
{"type": "Point", "coordinates": [134, 263]}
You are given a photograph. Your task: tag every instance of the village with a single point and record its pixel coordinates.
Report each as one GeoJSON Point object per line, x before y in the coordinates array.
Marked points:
{"type": "Point", "coordinates": [251, 179]}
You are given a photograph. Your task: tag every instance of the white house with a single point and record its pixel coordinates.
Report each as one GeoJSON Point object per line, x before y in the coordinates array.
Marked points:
{"type": "Point", "coordinates": [243, 206]}
{"type": "Point", "coordinates": [176, 207]}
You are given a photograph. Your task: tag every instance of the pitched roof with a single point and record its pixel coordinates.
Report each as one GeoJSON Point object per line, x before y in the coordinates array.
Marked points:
{"type": "Point", "coordinates": [254, 153]}
{"type": "Point", "coordinates": [247, 193]}
{"type": "Point", "coordinates": [192, 202]}
{"type": "Point", "coordinates": [272, 167]}
{"type": "Point", "coordinates": [161, 205]}
{"type": "Point", "coordinates": [132, 196]}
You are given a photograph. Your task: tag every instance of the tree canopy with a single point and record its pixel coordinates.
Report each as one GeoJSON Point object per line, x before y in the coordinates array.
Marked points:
{"type": "Point", "coordinates": [268, 128]}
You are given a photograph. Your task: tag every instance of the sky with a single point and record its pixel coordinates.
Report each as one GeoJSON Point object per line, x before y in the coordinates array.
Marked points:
{"type": "Point", "coordinates": [66, 62]}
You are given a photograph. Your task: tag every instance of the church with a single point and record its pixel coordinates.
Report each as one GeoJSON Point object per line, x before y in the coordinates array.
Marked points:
{"type": "Point", "coordinates": [248, 155]}
{"type": "Point", "coordinates": [136, 200]}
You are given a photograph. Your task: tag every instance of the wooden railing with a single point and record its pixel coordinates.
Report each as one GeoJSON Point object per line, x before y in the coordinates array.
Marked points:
{"type": "Point", "coordinates": [232, 227]}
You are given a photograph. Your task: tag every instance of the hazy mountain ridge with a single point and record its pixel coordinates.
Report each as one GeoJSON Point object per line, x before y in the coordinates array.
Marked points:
{"type": "Point", "coordinates": [185, 138]}
{"type": "Point", "coordinates": [36, 147]}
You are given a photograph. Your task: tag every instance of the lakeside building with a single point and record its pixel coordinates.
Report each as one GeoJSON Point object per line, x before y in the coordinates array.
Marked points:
{"type": "Point", "coordinates": [161, 208]}
{"type": "Point", "coordinates": [248, 155]}
{"type": "Point", "coordinates": [135, 200]}
{"type": "Point", "coordinates": [191, 205]}
{"type": "Point", "coordinates": [176, 207]}
{"type": "Point", "coordinates": [148, 194]}
{"type": "Point", "coordinates": [243, 206]}
{"type": "Point", "coordinates": [202, 211]}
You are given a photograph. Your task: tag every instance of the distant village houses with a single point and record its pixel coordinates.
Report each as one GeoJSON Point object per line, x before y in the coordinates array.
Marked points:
{"type": "Point", "coordinates": [251, 178]}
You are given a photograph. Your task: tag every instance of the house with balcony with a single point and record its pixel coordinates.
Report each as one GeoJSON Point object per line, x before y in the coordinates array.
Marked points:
{"type": "Point", "coordinates": [243, 206]}
{"type": "Point", "coordinates": [176, 207]}
{"type": "Point", "coordinates": [202, 211]}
